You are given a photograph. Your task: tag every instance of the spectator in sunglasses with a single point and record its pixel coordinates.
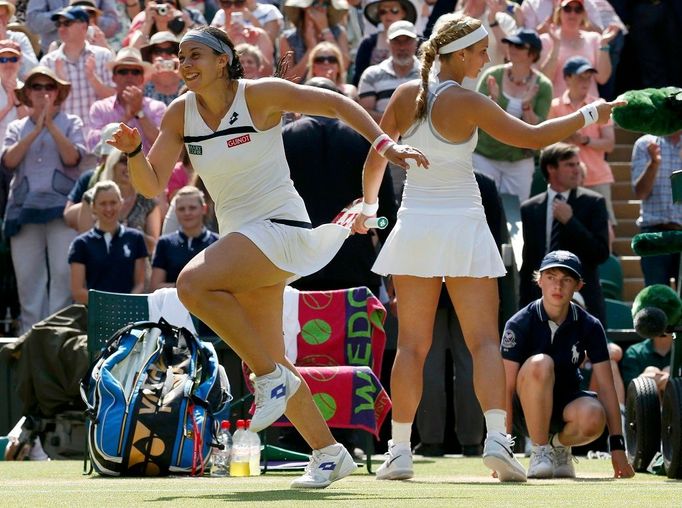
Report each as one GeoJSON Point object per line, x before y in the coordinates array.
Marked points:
{"type": "Point", "coordinates": [162, 52]}
{"type": "Point", "coordinates": [259, 15]}
{"type": "Point", "coordinates": [95, 33]}
{"type": "Point", "coordinates": [242, 27]}
{"type": "Point", "coordinates": [251, 59]}
{"type": "Point", "coordinates": [569, 37]}
{"type": "Point", "coordinates": [42, 151]}
{"type": "Point", "coordinates": [159, 17]}
{"type": "Point", "coordinates": [129, 104]}
{"type": "Point", "coordinates": [313, 21]}
{"type": "Point", "coordinates": [83, 64]}
{"type": "Point", "coordinates": [28, 60]}
{"type": "Point", "coordinates": [40, 13]}
{"type": "Point", "coordinates": [326, 62]}
{"type": "Point", "coordinates": [375, 48]}
{"type": "Point", "coordinates": [10, 62]}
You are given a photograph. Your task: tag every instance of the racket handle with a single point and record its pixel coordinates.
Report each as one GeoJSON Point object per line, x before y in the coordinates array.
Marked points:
{"type": "Point", "coordinates": [376, 222]}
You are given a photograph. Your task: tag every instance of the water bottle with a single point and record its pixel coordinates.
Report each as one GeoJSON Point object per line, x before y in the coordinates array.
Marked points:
{"type": "Point", "coordinates": [221, 458]}
{"type": "Point", "coordinates": [239, 465]}
{"type": "Point", "coordinates": [254, 450]}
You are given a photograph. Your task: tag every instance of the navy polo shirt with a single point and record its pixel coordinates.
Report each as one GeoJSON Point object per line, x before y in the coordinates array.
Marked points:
{"type": "Point", "coordinates": [174, 251]}
{"type": "Point", "coordinates": [112, 267]}
{"type": "Point", "coordinates": [528, 333]}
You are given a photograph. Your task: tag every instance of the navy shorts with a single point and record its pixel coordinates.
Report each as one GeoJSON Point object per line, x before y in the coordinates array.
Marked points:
{"type": "Point", "coordinates": [556, 423]}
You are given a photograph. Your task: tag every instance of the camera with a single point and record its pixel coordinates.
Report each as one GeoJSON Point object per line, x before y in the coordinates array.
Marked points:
{"type": "Point", "coordinates": [237, 18]}
{"type": "Point", "coordinates": [167, 65]}
{"type": "Point", "coordinates": [162, 9]}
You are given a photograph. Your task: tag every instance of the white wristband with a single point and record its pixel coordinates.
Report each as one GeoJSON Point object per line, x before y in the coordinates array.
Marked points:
{"type": "Point", "coordinates": [382, 144]}
{"type": "Point", "coordinates": [590, 114]}
{"type": "Point", "coordinates": [369, 209]}
{"type": "Point", "coordinates": [379, 139]}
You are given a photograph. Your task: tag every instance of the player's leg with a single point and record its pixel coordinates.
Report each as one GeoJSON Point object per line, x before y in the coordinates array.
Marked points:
{"type": "Point", "coordinates": [476, 302]}
{"type": "Point", "coordinates": [417, 301]}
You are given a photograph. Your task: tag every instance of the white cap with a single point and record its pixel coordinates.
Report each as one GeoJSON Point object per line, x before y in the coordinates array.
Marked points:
{"type": "Point", "coordinates": [399, 28]}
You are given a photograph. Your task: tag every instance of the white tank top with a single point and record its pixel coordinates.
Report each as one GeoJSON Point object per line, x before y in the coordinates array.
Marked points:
{"type": "Point", "coordinates": [244, 169]}
{"type": "Point", "coordinates": [448, 186]}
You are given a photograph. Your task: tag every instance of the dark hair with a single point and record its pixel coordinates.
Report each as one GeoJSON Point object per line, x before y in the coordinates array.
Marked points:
{"type": "Point", "coordinates": [554, 154]}
{"type": "Point", "coordinates": [534, 53]}
{"type": "Point", "coordinates": [235, 70]}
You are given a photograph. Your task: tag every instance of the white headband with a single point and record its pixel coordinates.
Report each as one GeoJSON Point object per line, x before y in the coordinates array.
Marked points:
{"type": "Point", "coordinates": [464, 42]}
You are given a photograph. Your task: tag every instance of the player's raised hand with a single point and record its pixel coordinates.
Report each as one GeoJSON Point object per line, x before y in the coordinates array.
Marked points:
{"type": "Point", "coordinates": [125, 138]}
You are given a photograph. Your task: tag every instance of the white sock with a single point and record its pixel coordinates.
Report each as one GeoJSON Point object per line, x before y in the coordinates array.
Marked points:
{"type": "Point", "coordinates": [496, 420]}
{"type": "Point", "coordinates": [332, 449]}
{"type": "Point", "coordinates": [401, 432]}
{"type": "Point", "coordinates": [555, 441]}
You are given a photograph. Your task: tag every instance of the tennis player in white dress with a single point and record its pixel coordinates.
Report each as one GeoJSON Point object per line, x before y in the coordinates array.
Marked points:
{"type": "Point", "coordinates": [441, 233]}
{"type": "Point", "coordinates": [231, 129]}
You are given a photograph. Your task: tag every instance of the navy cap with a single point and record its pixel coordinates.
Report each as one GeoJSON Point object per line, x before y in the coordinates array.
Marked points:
{"type": "Point", "coordinates": [577, 65]}
{"type": "Point", "coordinates": [73, 13]}
{"type": "Point", "coordinates": [525, 36]}
{"type": "Point", "coordinates": [562, 259]}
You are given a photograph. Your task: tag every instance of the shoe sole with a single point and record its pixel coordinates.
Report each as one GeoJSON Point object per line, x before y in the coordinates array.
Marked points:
{"type": "Point", "coordinates": [505, 472]}
{"type": "Point", "coordinates": [400, 474]}
{"type": "Point", "coordinates": [346, 470]}
{"type": "Point", "coordinates": [293, 383]}
{"type": "Point", "coordinates": [542, 476]}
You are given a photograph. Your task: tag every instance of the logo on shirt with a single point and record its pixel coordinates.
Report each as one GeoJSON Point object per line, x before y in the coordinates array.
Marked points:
{"type": "Point", "coordinates": [126, 251]}
{"type": "Point", "coordinates": [233, 118]}
{"type": "Point", "coordinates": [508, 339]}
{"type": "Point", "coordinates": [575, 356]}
{"type": "Point", "coordinates": [194, 149]}
{"type": "Point", "coordinates": [231, 143]}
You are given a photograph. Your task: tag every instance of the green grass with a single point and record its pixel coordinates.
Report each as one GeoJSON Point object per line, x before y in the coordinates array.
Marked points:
{"type": "Point", "coordinates": [450, 481]}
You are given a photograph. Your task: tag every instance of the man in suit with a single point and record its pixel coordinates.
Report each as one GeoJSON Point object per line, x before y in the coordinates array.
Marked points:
{"type": "Point", "coordinates": [566, 217]}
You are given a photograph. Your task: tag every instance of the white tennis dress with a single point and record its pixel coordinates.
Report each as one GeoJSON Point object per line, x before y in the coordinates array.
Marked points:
{"type": "Point", "coordinates": [246, 173]}
{"type": "Point", "coordinates": [441, 229]}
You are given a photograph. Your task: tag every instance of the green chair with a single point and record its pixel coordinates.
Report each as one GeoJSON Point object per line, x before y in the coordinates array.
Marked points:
{"type": "Point", "coordinates": [618, 315]}
{"type": "Point", "coordinates": [611, 278]}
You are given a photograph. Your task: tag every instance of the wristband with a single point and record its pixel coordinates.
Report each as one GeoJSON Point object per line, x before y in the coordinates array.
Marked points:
{"type": "Point", "coordinates": [590, 114]}
{"type": "Point", "coordinates": [382, 144]}
{"type": "Point", "coordinates": [616, 442]}
{"type": "Point", "coordinates": [136, 151]}
{"type": "Point", "coordinates": [369, 209]}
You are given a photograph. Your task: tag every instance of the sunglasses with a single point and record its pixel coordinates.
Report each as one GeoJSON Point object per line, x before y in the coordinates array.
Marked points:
{"type": "Point", "coordinates": [65, 22]}
{"type": "Point", "coordinates": [40, 87]}
{"type": "Point", "coordinates": [331, 59]}
{"type": "Point", "coordinates": [578, 9]}
{"type": "Point", "coordinates": [9, 59]}
{"type": "Point", "coordinates": [164, 51]}
{"type": "Point", "coordinates": [228, 3]}
{"type": "Point", "coordinates": [125, 72]}
{"type": "Point", "coordinates": [392, 10]}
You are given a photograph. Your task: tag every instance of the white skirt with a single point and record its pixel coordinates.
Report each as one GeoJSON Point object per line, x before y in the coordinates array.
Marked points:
{"type": "Point", "coordinates": [293, 249]}
{"type": "Point", "coordinates": [440, 246]}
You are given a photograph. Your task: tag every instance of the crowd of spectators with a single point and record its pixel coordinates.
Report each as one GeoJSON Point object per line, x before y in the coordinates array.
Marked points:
{"type": "Point", "coordinates": [71, 70]}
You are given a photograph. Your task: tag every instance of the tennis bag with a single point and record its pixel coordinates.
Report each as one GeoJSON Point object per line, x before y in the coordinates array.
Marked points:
{"type": "Point", "coordinates": [155, 397]}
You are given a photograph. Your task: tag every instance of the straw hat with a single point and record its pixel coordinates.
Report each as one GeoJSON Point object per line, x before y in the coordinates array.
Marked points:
{"type": "Point", "coordinates": [10, 7]}
{"type": "Point", "coordinates": [40, 70]}
{"type": "Point", "coordinates": [336, 11]}
{"type": "Point", "coordinates": [132, 58]}
{"type": "Point", "coordinates": [372, 11]}
{"type": "Point", "coordinates": [10, 46]}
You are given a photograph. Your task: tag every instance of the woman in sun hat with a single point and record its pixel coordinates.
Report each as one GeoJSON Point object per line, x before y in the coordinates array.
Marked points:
{"type": "Point", "coordinates": [10, 62]}
{"type": "Point", "coordinates": [42, 151]}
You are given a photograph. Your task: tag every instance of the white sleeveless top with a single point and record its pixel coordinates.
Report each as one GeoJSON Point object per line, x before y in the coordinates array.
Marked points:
{"type": "Point", "coordinates": [448, 186]}
{"type": "Point", "coordinates": [244, 169]}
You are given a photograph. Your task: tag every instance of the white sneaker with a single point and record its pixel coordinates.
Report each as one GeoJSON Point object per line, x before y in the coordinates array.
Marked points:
{"type": "Point", "coordinates": [563, 462]}
{"type": "Point", "coordinates": [541, 462]}
{"type": "Point", "coordinates": [272, 391]}
{"type": "Point", "coordinates": [498, 456]}
{"type": "Point", "coordinates": [398, 463]}
{"type": "Point", "coordinates": [325, 468]}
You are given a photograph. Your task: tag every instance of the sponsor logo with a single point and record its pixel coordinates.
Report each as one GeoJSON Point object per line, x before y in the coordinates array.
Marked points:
{"type": "Point", "coordinates": [194, 149]}
{"type": "Point", "coordinates": [233, 118]}
{"type": "Point", "coordinates": [575, 356]}
{"type": "Point", "coordinates": [278, 392]}
{"type": "Point", "coordinates": [508, 339]}
{"type": "Point", "coordinates": [126, 251]}
{"type": "Point", "coordinates": [231, 143]}
{"type": "Point", "coordinates": [327, 466]}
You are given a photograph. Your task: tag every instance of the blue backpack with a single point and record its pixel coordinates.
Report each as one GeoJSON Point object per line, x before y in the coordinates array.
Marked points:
{"type": "Point", "coordinates": [155, 397]}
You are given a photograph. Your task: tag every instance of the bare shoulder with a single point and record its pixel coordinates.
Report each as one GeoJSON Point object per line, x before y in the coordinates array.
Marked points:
{"type": "Point", "coordinates": [174, 117]}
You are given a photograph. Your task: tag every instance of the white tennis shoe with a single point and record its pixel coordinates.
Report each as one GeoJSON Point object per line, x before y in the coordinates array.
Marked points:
{"type": "Point", "coordinates": [325, 468]}
{"type": "Point", "coordinates": [541, 462]}
{"type": "Point", "coordinates": [272, 391]}
{"type": "Point", "coordinates": [398, 463]}
{"type": "Point", "coordinates": [563, 462]}
{"type": "Point", "coordinates": [498, 455]}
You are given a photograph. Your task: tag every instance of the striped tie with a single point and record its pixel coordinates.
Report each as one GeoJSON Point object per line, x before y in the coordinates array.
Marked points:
{"type": "Point", "coordinates": [556, 229]}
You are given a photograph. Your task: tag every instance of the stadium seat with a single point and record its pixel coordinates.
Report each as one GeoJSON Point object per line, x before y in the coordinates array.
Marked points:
{"type": "Point", "coordinates": [618, 315]}
{"type": "Point", "coordinates": [339, 351]}
{"type": "Point", "coordinates": [611, 278]}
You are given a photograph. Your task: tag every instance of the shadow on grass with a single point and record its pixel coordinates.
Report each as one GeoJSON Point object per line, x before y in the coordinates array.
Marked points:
{"type": "Point", "coordinates": [293, 495]}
